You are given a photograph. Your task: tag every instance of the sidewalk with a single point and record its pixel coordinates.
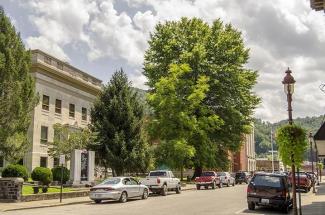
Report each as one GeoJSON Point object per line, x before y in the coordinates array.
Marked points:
{"type": "Point", "coordinates": [56, 202]}
{"type": "Point", "coordinates": [314, 204]}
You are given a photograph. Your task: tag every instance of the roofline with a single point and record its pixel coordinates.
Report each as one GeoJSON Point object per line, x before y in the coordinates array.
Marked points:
{"type": "Point", "coordinates": [65, 64]}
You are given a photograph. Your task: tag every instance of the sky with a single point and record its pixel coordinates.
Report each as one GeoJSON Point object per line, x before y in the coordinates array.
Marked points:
{"type": "Point", "coordinates": [101, 36]}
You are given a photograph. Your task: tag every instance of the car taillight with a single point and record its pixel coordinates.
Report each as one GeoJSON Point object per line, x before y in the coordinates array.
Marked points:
{"type": "Point", "coordinates": [196, 178]}
{"type": "Point", "coordinates": [158, 180]}
{"type": "Point", "coordinates": [249, 189]}
{"type": "Point", "coordinates": [226, 177]}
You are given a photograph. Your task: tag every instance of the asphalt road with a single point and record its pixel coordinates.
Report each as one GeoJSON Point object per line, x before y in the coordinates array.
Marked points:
{"type": "Point", "coordinates": [227, 200]}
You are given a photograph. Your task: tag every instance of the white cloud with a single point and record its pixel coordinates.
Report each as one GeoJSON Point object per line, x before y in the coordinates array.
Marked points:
{"type": "Point", "coordinates": [279, 33]}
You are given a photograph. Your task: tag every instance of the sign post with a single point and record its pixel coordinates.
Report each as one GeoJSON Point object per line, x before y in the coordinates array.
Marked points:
{"type": "Point", "coordinates": [62, 161]}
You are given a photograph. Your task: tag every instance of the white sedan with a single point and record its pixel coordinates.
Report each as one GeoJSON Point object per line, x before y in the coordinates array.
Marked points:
{"type": "Point", "coordinates": [118, 188]}
{"type": "Point", "coordinates": [226, 178]}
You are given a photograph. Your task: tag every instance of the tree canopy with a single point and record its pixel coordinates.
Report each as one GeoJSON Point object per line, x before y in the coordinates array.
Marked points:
{"type": "Point", "coordinates": [17, 92]}
{"type": "Point", "coordinates": [117, 118]}
{"type": "Point", "coordinates": [215, 87]}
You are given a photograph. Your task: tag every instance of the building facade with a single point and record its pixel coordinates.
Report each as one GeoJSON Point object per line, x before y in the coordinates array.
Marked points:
{"type": "Point", "coordinates": [245, 159]}
{"type": "Point", "coordinates": [66, 95]}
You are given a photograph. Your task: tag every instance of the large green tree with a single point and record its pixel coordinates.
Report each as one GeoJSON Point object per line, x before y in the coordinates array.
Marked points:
{"type": "Point", "coordinates": [17, 92]}
{"type": "Point", "coordinates": [117, 119]}
{"type": "Point", "coordinates": [217, 53]}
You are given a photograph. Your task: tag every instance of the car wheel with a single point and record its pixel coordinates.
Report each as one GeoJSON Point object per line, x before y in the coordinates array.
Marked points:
{"type": "Point", "coordinates": [97, 201]}
{"type": "Point", "coordinates": [206, 187]}
{"type": "Point", "coordinates": [198, 187]}
{"type": "Point", "coordinates": [233, 184]}
{"type": "Point", "coordinates": [220, 185]}
{"type": "Point", "coordinates": [214, 185]}
{"type": "Point", "coordinates": [251, 206]}
{"type": "Point", "coordinates": [145, 194]}
{"type": "Point", "coordinates": [228, 184]}
{"type": "Point", "coordinates": [164, 190]}
{"type": "Point", "coordinates": [124, 197]}
{"type": "Point", "coordinates": [178, 189]}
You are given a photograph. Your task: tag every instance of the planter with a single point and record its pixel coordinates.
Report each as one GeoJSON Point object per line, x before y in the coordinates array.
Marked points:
{"type": "Point", "coordinates": [36, 189]}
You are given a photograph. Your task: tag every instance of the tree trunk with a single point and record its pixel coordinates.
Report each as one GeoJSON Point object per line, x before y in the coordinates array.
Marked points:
{"type": "Point", "coordinates": [197, 172]}
{"type": "Point", "coordinates": [182, 169]}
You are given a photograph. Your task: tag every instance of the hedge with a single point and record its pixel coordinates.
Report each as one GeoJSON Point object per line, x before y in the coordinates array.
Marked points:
{"type": "Point", "coordinates": [56, 171]}
{"type": "Point", "coordinates": [43, 175]}
{"type": "Point", "coordinates": [15, 170]}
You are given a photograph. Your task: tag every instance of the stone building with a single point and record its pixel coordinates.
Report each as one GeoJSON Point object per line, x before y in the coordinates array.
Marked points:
{"type": "Point", "coordinates": [66, 96]}
{"type": "Point", "coordinates": [245, 160]}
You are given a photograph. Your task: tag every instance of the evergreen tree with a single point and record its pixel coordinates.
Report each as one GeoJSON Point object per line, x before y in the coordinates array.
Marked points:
{"type": "Point", "coordinates": [218, 53]}
{"type": "Point", "coordinates": [117, 119]}
{"type": "Point", "coordinates": [17, 92]}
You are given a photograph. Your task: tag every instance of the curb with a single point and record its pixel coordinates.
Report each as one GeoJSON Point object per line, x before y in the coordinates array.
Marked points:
{"type": "Point", "coordinates": [65, 204]}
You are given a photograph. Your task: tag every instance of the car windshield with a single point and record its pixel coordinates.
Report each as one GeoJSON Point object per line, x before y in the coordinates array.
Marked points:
{"type": "Point", "coordinates": [221, 174]}
{"type": "Point", "coordinates": [267, 181]}
{"type": "Point", "coordinates": [301, 174]}
{"type": "Point", "coordinates": [238, 174]}
{"type": "Point", "coordinates": [207, 174]}
{"type": "Point", "coordinates": [158, 173]}
{"type": "Point", "coordinates": [111, 181]}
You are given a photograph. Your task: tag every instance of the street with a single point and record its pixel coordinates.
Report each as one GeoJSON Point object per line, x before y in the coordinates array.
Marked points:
{"type": "Point", "coordinates": [227, 200]}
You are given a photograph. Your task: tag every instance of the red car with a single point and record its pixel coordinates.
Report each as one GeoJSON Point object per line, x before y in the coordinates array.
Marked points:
{"type": "Point", "coordinates": [305, 181]}
{"type": "Point", "coordinates": [208, 178]}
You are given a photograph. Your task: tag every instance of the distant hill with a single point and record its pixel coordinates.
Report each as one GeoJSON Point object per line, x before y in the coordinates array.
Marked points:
{"type": "Point", "coordinates": [263, 131]}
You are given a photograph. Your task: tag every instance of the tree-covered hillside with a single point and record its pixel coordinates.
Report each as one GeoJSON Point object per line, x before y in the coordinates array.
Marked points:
{"type": "Point", "coordinates": [263, 131]}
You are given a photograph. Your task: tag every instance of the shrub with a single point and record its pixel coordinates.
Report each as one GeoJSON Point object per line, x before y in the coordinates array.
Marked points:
{"type": "Point", "coordinates": [43, 175]}
{"type": "Point", "coordinates": [15, 170]}
{"type": "Point", "coordinates": [56, 171]}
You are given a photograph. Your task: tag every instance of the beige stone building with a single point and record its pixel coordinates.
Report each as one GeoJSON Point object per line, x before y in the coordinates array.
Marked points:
{"type": "Point", "coordinates": [66, 96]}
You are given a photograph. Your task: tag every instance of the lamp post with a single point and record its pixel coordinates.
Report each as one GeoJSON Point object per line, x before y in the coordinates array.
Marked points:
{"type": "Point", "coordinates": [311, 158]}
{"type": "Point", "coordinates": [288, 83]}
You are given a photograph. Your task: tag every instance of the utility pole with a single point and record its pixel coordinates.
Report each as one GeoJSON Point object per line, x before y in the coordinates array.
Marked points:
{"type": "Point", "coordinates": [272, 149]}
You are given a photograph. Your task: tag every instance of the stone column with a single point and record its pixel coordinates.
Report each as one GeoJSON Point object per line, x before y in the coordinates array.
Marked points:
{"type": "Point", "coordinates": [91, 166]}
{"type": "Point", "coordinates": [75, 167]}
{"type": "Point", "coordinates": [11, 189]}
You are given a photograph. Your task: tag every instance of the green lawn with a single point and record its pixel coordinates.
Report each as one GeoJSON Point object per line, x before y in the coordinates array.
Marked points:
{"type": "Point", "coordinates": [27, 190]}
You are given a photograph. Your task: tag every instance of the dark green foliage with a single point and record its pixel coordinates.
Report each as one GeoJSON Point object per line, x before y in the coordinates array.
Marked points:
{"type": "Point", "coordinates": [15, 170]}
{"type": "Point", "coordinates": [263, 132]}
{"type": "Point", "coordinates": [17, 92]}
{"type": "Point", "coordinates": [43, 175]}
{"type": "Point", "coordinates": [56, 172]}
{"type": "Point", "coordinates": [117, 120]}
{"type": "Point", "coordinates": [292, 142]}
{"type": "Point", "coordinates": [218, 54]}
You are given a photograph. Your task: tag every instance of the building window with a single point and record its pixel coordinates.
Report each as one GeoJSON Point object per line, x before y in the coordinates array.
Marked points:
{"type": "Point", "coordinates": [47, 60]}
{"type": "Point", "coordinates": [84, 114]}
{"type": "Point", "coordinates": [56, 162]}
{"type": "Point", "coordinates": [58, 106]}
{"type": "Point", "coordinates": [43, 162]}
{"type": "Point", "coordinates": [44, 134]}
{"type": "Point", "coordinates": [59, 65]}
{"type": "Point", "coordinates": [71, 110]}
{"type": "Point", "coordinates": [46, 103]}
{"type": "Point", "coordinates": [1, 161]}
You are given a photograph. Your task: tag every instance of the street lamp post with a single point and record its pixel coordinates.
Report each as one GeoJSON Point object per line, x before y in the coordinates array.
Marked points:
{"type": "Point", "coordinates": [311, 158]}
{"type": "Point", "coordinates": [288, 83]}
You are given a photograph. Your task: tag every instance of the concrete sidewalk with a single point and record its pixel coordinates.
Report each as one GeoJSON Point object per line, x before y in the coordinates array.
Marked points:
{"type": "Point", "coordinates": [314, 203]}
{"type": "Point", "coordinates": [56, 202]}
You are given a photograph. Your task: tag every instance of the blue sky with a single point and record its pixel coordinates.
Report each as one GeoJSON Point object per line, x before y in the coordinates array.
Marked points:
{"type": "Point", "coordinates": [101, 36]}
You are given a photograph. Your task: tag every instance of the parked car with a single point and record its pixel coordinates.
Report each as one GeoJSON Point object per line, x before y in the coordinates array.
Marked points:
{"type": "Point", "coordinates": [118, 188]}
{"type": "Point", "coordinates": [226, 178]}
{"type": "Point", "coordinates": [314, 177]}
{"type": "Point", "coordinates": [242, 177]}
{"type": "Point", "coordinates": [208, 179]}
{"type": "Point", "coordinates": [162, 181]}
{"type": "Point", "coordinates": [269, 189]}
{"type": "Point", "coordinates": [304, 182]}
